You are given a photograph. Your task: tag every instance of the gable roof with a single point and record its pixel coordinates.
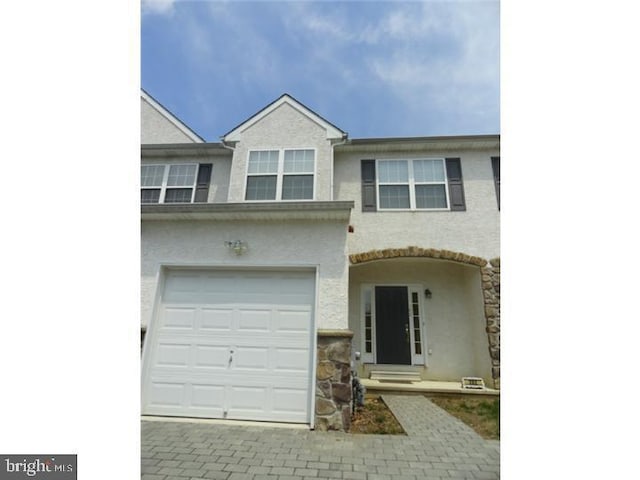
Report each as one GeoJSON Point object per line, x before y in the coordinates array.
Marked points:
{"type": "Point", "coordinates": [333, 132]}
{"type": "Point", "coordinates": [171, 117]}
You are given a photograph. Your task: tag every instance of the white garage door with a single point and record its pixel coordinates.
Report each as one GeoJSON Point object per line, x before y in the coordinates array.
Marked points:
{"type": "Point", "coordinates": [233, 345]}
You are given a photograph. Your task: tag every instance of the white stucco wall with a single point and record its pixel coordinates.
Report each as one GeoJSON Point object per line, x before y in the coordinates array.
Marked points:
{"type": "Point", "coordinates": [219, 188]}
{"type": "Point", "coordinates": [285, 127]}
{"type": "Point", "coordinates": [454, 315]}
{"type": "Point", "coordinates": [474, 231]}
{"type": "Point", "coordinates": [271, 244]}
{"type": "Point", "coordinates": [156, 128]}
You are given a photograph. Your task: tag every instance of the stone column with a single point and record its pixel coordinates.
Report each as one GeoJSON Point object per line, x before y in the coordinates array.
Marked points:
{"type": "Point", "coordinates": [333, 380]}
{"type": "Point", "coordinates": [491, 294]}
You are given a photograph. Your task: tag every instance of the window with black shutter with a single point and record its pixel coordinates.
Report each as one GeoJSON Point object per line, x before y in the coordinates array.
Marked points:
{"type": "Point", "coordinates": [412, 184]}
{"type": "Point", "coordinates": [368, 168]}
{"type": "Point", "coordinates": [175, 183]}
{"type": "Point", "coordinates": [202, 185]}
{"type": "Point", "coordinates": [456, 189]}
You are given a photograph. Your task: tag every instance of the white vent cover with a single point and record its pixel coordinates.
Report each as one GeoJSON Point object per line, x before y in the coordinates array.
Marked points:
{"type": "Point", "coordinates": [473, 382]}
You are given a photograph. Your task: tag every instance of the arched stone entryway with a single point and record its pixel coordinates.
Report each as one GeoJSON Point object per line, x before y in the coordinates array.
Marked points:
{"type": "Point", "coordinates": [372, 255]}
{"type": "Point", "coordinates": [490, 279]}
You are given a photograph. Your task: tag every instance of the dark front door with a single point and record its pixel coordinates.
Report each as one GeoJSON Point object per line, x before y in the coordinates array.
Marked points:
{"type": "Point", "coordinates": [392, 326]}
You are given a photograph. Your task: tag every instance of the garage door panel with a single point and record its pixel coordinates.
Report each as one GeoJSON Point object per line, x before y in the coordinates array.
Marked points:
{"type": "Point", "coordinates": [292, 360]}
{"type": "Point", "coordinates": [292, 321]}
{"type": "Point", "coordinates": [264, 317]}
{"type": "Point", "coordinates": [182, 282]}
{"type": "Point", "coordinates": [173, 355]}
{"type": "Point", "coordinates": [167, 393]}
{"type": "Point", "coordinates": [247, 398]}
{"type": "Point", "coordinates": [292, 298]}
{"type": "Point", "coordinates": [219, 283]}
{"type": "Point", "coordinates": [254, 320]}
{"type": "Point", "coordinates": [289, 400]}
{"type": "Point", "coordinates": [293, 380]}
{"type": "Point", "coordinates": [179, 317]}
{"type": "Point", "coordinates": [208, 396]}
{"type": "Point", "coordinates": [218, 319]}
{"type": "Point", "coordinates": [251, 358]}
{"type": "Point", "coordinates": [211, 357]}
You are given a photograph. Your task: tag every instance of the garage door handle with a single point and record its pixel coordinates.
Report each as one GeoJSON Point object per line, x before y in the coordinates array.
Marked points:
{"type": "Point", "coordinates": [230, 357]}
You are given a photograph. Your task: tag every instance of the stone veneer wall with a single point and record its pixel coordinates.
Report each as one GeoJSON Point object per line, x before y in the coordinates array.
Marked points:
{"type": "Point", "coordinates": [491, 294]}
{"type": "Point", "coordinates": [333, 380]}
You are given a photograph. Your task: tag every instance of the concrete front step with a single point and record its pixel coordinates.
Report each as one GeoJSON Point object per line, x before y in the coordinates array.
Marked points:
{"type": "Point", "coordinates": [424, 386]}
{"type": "Point", "coordinates": [394, 376]}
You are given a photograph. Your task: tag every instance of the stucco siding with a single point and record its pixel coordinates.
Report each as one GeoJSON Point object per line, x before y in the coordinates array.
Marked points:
{"type": "Point", "coordinates": [474, 231]}
{"type": "Point", "coordinates": [156, 128]}
{"type": "Point", "coordinates": [285, 127]}
{"type": "Point", "coordinates": [201, 243]}
{"type": "Point", "coordinates": [456, 344]}
{"type": "Point", "coordinates": [219, 188]}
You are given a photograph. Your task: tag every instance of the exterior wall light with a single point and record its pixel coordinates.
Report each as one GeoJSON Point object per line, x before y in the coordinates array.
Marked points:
{"type": "Point", "coordinates": [238, 246]}
{"type": "Point", "coordinates": [427, 293]}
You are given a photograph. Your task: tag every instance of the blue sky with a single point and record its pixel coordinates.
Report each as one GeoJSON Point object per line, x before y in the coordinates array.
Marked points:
{"type": "Point", "coordinates": [374, 69]}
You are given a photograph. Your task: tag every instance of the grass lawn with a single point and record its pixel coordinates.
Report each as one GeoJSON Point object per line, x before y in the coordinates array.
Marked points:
{"type": "Point", "coordinates": [481, 414]}
{"type": "Point", "coordinates": [375, 417]}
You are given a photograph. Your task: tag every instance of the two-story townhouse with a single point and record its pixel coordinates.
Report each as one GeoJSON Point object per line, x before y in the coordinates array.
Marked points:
{"type": "Point", "coordinates": [282, 257]}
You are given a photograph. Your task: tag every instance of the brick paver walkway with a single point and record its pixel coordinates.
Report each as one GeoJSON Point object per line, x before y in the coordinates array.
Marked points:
{"type": "Point", "coordinates": [437, 446]}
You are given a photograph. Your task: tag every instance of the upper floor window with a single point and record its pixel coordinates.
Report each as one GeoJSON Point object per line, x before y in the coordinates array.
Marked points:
{"type": "Point", "coordinates": [280, 174]}
{"type": "Point", "coordinates": [412, 184]}
{"type": "Point", "coordinates": [179, 183]}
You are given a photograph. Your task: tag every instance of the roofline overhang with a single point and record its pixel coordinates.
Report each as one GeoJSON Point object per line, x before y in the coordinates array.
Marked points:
{"type": "Point", "coordinates": [486, 142]}
{"type": "Point", "coordinates": [333, 132]}
{"type": "Point", "coordinates": [182, 149]}
{"type": "Point", "coordinates": [164, 111]}
{"type": "Point", "coordinates": [446, 138]}
{"type": "Point", "coordinates": [263, 211]}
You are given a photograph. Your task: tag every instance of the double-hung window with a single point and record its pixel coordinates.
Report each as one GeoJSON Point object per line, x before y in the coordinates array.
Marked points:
{"type": "Point", "coordinates": [412, 184]}
{"type": "Point", "coordinates": [286, 174]}
{"type": "Point", "coordinates": [168, 183]}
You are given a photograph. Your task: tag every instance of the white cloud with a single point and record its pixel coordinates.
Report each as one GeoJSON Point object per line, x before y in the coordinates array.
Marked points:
{"type": "Point", "coordinates": [158, 6]}
{"type": "Point", "coordinates": [442, 57]}
{"type": "Point", "coordinates": [437, 57]}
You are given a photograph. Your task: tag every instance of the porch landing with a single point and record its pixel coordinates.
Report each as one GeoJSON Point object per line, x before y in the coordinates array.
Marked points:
{"type": "Point", "coordinates": [424, 386]}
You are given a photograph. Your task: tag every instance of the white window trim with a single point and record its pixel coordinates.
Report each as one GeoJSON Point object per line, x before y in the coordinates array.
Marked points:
{"type": "Point", "coordinates": [371, 357]}
{"type": "Point", "coordinates": [280, 174]}
{"type": "Point", "coordinates": [411, 183]}
{"type": "Point", "coordinates": [417, 359]}
{"type": "Point", "coordinates": [165, 178]}
{"type": "Point", "coordinates": [368, 357]}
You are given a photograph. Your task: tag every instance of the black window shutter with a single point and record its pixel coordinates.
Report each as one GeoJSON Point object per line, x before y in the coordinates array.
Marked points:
{"type": "Point", "coordinates": [495, 165]}
{"type": "Point", "coordinates": [456, 190]}
{"type": "Point", "coordinates": [202, 185]}
{"type": "Point", "coordinates": [368, 168]}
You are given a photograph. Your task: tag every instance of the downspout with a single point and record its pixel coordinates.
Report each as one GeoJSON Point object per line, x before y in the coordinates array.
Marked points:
{"type": "Point", "coordinates": [345, 139]}
{"type": "Point", "coordinates": [233, 149]}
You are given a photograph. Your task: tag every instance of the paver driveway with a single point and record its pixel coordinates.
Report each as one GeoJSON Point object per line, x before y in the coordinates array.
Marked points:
{"type": "Point", "coordinates": [437, 446]}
